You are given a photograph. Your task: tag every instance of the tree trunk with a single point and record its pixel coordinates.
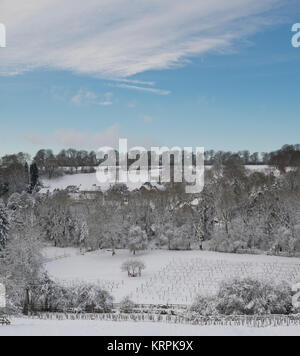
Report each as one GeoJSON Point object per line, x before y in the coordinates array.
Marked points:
{"type": "Point", "coordinates": [227, 228]}
{"type": "Point", "coordinates": [113, 247]}
{"type": "Point", "coordinates": [26, 309]}
{"type": "Point", "coordinates": [201, 246]}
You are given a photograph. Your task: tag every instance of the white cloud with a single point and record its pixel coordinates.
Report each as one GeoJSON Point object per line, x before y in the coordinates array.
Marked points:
{"type": "Point", "coordinates": [119, 38]}
{"type": "Point", "coordinates": [149, 90]}
{"type": "Point", "coordinates": [139, 82]}
{"type": "Point", "coordinates": [77, 99]}
{"type": "Point", "coordinates": [89, 97]}
{"type": "Point", "coordinates": [107, 101]}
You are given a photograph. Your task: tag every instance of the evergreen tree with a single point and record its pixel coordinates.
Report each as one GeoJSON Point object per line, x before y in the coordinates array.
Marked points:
{"type": "Point", "coordinates": [26, 174]}
{"type": "Point", "coordinates": [4, 225]}
{"type": "Point", "coordinates": [34, 177]}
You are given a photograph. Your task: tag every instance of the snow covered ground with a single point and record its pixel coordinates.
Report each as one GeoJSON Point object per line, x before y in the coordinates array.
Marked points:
{"type": "Point", "coordinates": [85, 182]}
{"type": "Point", "coordinates": [89, 182]}
{"type": "Point", "coordinates": [29, 327]}
{"type": "Point", "coordinates": [170, 277]}
{"type": "Point", "coordinates": [173, 277]}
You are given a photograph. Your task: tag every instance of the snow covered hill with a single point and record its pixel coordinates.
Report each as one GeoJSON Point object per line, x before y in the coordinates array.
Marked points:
{"type": "Point", "coordinates": [174, 277]}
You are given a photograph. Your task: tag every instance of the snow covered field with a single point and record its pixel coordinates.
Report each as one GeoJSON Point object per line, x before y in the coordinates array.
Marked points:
{"type": "Point", "coordinates": [85, 182]}
{"type": "Point", "coordinates": [89, 182]}
{"type": "Point", "coordinates": [29, 327]}
{"type": "Point", "coordinates": [170, 276]}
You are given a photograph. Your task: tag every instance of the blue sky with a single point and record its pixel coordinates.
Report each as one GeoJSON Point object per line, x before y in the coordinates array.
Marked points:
{"type": "Point", "coordinates": [231, 90]}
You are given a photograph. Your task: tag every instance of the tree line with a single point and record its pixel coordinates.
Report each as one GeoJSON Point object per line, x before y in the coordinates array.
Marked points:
{"type": "Point", "coordinates": [19, 170]}
{"type": "Point", "coordinates": [239, 210]}
{"type": "Point", "coordinates": [17, 174]}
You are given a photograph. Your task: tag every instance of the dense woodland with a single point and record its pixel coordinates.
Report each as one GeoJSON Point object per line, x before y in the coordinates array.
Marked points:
{"type": "Point", "coordinates": [239, 210]}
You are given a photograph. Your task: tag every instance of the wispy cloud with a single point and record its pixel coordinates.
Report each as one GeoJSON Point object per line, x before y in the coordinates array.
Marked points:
{"type": "Point", "coordinates": [138, 82]}
{"type": "Point", "coordinates": [89, 97]}
{"type": "Point", "coordinates": [149, 90]}
{"type": "Point", "coordinates": [120, 38]}
{"type": "Point", "coordinates": [107, 99]}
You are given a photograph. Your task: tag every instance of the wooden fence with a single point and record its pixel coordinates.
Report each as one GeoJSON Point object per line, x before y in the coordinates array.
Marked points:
{"type": "Point", "coordinates": [156, 306]}
{"type": "Point", "coordinates": [242, 321]}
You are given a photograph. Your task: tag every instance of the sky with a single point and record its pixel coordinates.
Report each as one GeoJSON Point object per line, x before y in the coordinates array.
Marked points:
{"type": "Point", "coordinates": [221, 75]}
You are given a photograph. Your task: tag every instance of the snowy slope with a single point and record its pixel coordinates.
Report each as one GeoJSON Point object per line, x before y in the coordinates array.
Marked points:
{"type": "Point", "coordinates": [174, 277]}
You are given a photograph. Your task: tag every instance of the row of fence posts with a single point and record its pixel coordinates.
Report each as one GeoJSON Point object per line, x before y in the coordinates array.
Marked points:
{"type": "Point", "coordinates": [244, 321]}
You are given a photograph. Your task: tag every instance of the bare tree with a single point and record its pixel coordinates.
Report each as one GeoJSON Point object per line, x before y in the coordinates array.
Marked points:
{"type": "Point", "coordinates": [133, 267]}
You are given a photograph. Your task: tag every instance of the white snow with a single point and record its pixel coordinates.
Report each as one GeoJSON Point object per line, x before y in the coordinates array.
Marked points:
{"type": "Point", "coordinates": [173, 277]}
{"type": "Point", "coordinates": [170, 277]}
{"type": "Point", "coordinates": [56, 253]}
{"type": "Point", "coordinates": [30, 327]}
{"type": "Point", "coordinates": [85, 182]}
{"type": "Point", "coordinates": [89, 182]}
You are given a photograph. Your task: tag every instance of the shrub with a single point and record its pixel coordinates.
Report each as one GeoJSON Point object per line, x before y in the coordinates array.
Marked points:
{"type": "Point", "coordinates": [221, 243]}
{"type": "Point", "coordinates": [119, 188]}
{"type": "Point", "coordinates": [91, 298]}
{"type": "Point", "coordinates": [127, 306]}
{"type": "Point", "coordinates": [50, 296]}
{"type": "Point", "coordinates": [180, 244]}
{"type": "Point", "coordinates": [204, 306]}
{"type": "Point", "coordinates": [253, 297]}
